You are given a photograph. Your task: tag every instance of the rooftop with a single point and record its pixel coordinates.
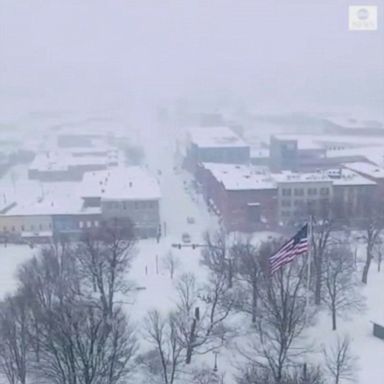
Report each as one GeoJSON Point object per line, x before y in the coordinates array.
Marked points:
{"type": "Point", "coordinates": [344, 177]}
{"type": "Point", "coordinates": [293, 177]}
{"type": "Point", "coordinates": [353, 123]}
{"type": "Point", "coordinates": [322, 141]}
{"type": "Point", "coordinates": [126, 183]}
{"type": "Point", "coordinates": [367, 169]}
{"type": "Point", "coordinates": [241, 177]}
{"type": "Point", "coordinates": [215, 137]}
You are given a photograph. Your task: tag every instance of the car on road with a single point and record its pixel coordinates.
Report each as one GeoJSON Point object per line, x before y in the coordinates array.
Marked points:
{"type": "Point", "coordinates": [186, 237]}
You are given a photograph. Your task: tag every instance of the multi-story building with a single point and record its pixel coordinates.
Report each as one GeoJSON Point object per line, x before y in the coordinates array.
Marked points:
{"type": "Point", "coordinates": [298, 194]}
{"type": "Point", "coordinates": [283, 154]}
{"type": "Point", "coordinates": [215, 145]}
{"type": "Point", "coordinates": [125, 194]}
{"type": "Point", "coordinates": [70, 165]}
{"type": "Point", "coordinates": [370, 171]}
{"type": "Point", "coordinates": [351, 193]}
{"type": "Point", "coordinates": [243, 196]}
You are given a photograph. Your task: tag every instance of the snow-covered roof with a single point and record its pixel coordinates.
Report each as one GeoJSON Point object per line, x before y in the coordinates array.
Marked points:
{"type": "Point", "coordinates": [374, 153]}
{"type": "Point", "coordinates": [215, 137]}
{"type": "Point", "coordinates": [241, 177]}
{"type": "Point", "coordinates": [306, 141]}
{"type": "Point", "coordinates": [346, 177]}
{"type": "Point", "coordinates": [126, 183]}
{"type": "Point", "coordinates": [293, 177]}
{"type": "Point", "coordinates": [63, 160]}
{"type": "Point", "coordinates": [367, 169]}
{"type": "Point", "coordinates": [353, 123]}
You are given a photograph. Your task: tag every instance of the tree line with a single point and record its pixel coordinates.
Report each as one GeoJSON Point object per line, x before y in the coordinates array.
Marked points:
{"type": "Point", "coordinates": [68, 323]}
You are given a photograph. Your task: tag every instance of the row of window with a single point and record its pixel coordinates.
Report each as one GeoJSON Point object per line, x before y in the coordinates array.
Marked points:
{"type": "Point", "coordinates": [324, 191]}
{"type": "Point", "coordinates": [88, 224]}
{"type": "Point", "coordinates": [31, 228]}
{"type": "Point", "coordinates": [302, 203]}
{"type": "Point", "coordinates": [41, 227]}
{"type": "Point", "coordinates": [126, 205]}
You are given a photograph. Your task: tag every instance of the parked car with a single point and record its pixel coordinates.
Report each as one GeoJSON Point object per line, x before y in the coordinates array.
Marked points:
{"type": "Point", "coordinates": [186, 237]}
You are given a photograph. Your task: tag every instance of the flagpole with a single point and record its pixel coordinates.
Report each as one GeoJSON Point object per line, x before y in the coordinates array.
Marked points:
{"type": "Point", "coordinates": [310, 234]}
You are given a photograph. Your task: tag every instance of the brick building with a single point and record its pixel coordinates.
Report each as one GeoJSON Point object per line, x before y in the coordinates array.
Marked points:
{"type": "Point", "coordinates": [243, 196]}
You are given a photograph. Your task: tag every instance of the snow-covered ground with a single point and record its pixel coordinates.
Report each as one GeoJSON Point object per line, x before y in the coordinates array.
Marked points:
{"type": "Point", "coordinates": [157, 288]}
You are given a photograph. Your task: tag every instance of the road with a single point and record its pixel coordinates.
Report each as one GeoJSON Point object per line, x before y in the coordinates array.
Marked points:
{"type": "Point", "coordinates": [176, 203]}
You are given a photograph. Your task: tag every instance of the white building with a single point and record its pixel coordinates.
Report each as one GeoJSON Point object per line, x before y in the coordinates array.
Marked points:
{"type": "Point", "coordinates": [125, 193]}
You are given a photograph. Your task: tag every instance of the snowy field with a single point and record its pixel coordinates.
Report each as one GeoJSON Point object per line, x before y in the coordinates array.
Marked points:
{"type": "Point", "coordinates": [157, 292]}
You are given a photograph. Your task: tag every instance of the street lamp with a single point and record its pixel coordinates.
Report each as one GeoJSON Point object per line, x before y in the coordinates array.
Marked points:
{"type": "Point", "coordinates": [215, 369]}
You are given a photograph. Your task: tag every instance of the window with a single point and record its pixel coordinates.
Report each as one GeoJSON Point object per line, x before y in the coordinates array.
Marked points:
{"type": "Point", "coordinates": [5, 229]}
{"type": "Point", "coordinates": [81, 224]}
{"type": "Point", "coordinates": [32, 227]}
{"type": "Point", "coordinates": [13, 228]}
{"type": "Point", "coordinates": [22, 227]}
{"type": "Point", "coordinates": [285, 203]}
{"type": "Point", "coordinates": [312, 191]}
{"type": "Point", "coordinates": [285, 213]}
{"type": "Point", "coordinates": [299, 192]}
{"type": "Point", "coordinates": [40, 227]}
{"type": "Point", "coordinates": [89, 224]}
{"type": "Point", "coordinates": [96, 223]}
{"type": "Point", "coordinates": [286, 192]}
{"type": "Point", "coordinates": [324, 191]}
{"type": "Point", "coordinates": [298, 203]}
{"type": "Point", "coordinates": [124, 205]}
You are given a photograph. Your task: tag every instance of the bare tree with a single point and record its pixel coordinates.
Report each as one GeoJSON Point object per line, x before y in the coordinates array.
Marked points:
{"type": "Point", "coordinates": [14, 343]}
{"type": "Point", "coordinates": [216, 256]}
{"type": "Point", "coordinates": [171, 262]}
{"type": "Point", "coordinates": [379, 251]}
{"type": "Point", "coordinates": [205, 375]}
{"type": "Point", "coordinates": [340, 362]}
{"type": "Point", "coordinates": [282, 319]}
{"type": "Point", "coordinates": [73, 340]}
{"type": "Point", "coordinates": [321, 238]}
{"type": "Point", "coordinates": [201, 313]}
{"type": "Point", "coordinates": [250, 265]}
{"type": "Point", "coordinates": [340, 286]}
{"type": "Point", "coordinates": [168, 354]}
{"type": "Point", "coordinates": [372, 224]}
{"type": "Point", "coordinates": [105, 255]}
{"type": "Point", "coordinates": [258, 375]}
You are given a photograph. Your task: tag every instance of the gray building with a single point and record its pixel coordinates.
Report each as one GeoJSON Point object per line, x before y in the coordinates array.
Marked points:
{"type": "Point", "coordinates": [284, 154]}
{"type": "Point", "coordinates": [215, 145]}
{"type": "Point", "coordinates": [128, 193]}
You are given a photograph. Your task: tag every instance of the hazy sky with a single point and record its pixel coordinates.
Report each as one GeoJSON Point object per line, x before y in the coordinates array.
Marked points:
{"type": "Point", "coordinates": [98, 53]}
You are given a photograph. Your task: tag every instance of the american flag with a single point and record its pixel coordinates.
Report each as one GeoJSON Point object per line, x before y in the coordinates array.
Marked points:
{"type": "Point", "coordinates": [295, 246]}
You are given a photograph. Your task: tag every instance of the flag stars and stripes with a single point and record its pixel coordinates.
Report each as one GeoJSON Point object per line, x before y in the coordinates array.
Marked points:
{"type": "Point", "coordinates": [294, 247]}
